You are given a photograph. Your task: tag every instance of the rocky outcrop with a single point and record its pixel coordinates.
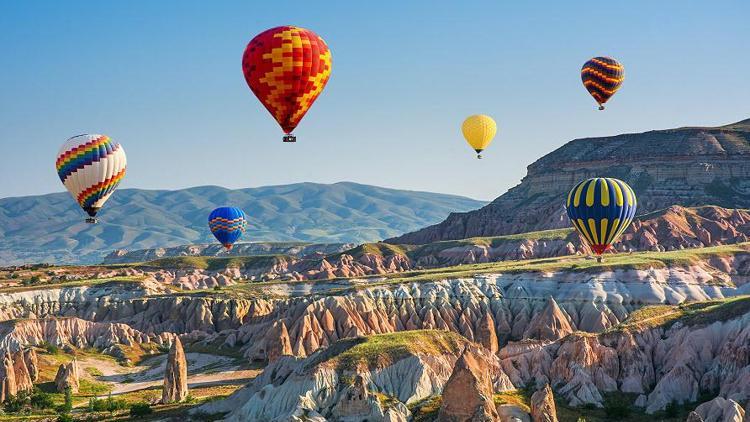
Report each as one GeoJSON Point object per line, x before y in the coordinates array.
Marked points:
{"type": "Point", "coordinates": [671, 363]}
{"type": "Point", "coordinates": [277, 342]}
{"type": "Point", "coordinates": [543, 405]}
{"type": "Point", "coordinates": [175, 374]}
{"type": "Point", "coordinates": [300, 250]}
{"type": "Point", "coordinates": [17, 335]}
{"type": "Point", "coordinates": [720, 410]}
{"type": "Point", "coordinates": [468, 394]}
{"type": "Point", "coordinates": [67, 377]}
{"type": "Point", "coordinates": [17, 373]}
{"type": "Point", "coordinates": [333, 386]}
{"type": "Point", "coordinates": [550, 324]}
{"type": "Point", "coordinates": [686, 166]}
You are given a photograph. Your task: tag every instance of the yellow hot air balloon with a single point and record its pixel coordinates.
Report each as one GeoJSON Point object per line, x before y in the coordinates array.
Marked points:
{"type": "Point", "coordinates": [479, 130]}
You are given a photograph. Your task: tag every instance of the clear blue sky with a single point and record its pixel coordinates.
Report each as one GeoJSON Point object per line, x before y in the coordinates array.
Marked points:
{"type": "Point", "coordinates": [164, 79]}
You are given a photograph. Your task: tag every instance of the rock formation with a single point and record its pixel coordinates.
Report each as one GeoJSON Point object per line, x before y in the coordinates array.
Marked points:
{"type": "Point", "coordinates": [277, 342]}
{"type": "Point", "coordinates": [468, 394]}
{"type": "Point", "coordinates": [543, 405]}
{"type": "Point", "coordinates": [334, 387]}
{"type": "Point", "coordinates": [681, 359]}
{"type": "Point", "coordinates": [67, 377]}
{"type": "Point", "coordinates": [686, 166]}
{"type": "Point", "coordinates": [15, 375]}
{"type": "Point", "coordinates": [550, 324]}
{"type": "Point", "coordinates": [175, 374]}
{"type": "Point", "coordinates": [720, 410]}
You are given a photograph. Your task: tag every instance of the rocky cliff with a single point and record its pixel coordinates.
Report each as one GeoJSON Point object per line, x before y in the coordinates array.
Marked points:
{"type": "Point", "coordinates": [298, 249]}
{"type": "Point", "coordinates": [347, 381]}
{"type": "Point", "coordinates": [687, 166]}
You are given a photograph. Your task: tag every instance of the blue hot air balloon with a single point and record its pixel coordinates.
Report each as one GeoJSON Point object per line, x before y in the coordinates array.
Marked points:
{"type": "Point", "coordinates": [600, 209]}
{"type": "Point", "coordinates": [227, 224]}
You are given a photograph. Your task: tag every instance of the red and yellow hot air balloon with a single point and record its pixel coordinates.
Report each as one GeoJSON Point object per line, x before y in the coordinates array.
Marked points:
{"type": "Point", "coordinates": [602, 77]}
{"type": "Point", "coordinates": [287, 68]}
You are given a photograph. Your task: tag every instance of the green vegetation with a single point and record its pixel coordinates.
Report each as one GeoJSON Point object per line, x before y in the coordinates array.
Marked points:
{"type": "Point", "coordinates": [520, 398]}
{"type": "Point", "coordinates": [691, 313]}
{"type": "Point", "coordinates": [215, 263]}
{"type": "Point", "coordinates": [138, 410]}
{"type": "Point", "coordinates": [383, 349]}
{"type": "Point", "coordinates": [426, 410]}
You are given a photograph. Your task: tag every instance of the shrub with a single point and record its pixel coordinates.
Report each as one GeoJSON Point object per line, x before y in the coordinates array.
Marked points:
{"type": "Point", "coordinates": [68, 405]}
{"type": "Point", "coordinates": [14, 404]}
{"type": "Point", "coordinates": [41, 400]}
{"type": "Point", "coordinates": [140, 409]}
{"type": "Point", "coordinates": [65, 418]}
{"type": "Point", "coordinates": [672, 410]}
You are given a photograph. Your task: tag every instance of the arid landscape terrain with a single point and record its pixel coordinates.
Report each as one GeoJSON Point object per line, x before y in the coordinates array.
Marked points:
{"type": "Point", "coordinates": [484, 317]}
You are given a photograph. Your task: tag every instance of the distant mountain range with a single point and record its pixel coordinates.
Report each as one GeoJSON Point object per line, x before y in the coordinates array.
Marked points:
{"type": "Point", "coordinates": [690, 166]}
{"type": "Point", "coordinates": [50, 228]}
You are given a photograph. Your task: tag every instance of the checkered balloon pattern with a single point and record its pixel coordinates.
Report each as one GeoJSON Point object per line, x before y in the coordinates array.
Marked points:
{"type": "Point", "coordinates": [287, 68]}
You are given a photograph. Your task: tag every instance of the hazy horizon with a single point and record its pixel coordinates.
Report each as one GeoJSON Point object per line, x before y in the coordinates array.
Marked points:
{"type": "Point", "coordinates": [164, 79]}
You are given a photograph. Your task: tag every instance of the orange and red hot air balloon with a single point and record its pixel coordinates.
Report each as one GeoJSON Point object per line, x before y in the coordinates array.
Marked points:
{"type": "Point", "coordinates": [287, 68]}
{"type": "Point", "coordinates": [602, 77]}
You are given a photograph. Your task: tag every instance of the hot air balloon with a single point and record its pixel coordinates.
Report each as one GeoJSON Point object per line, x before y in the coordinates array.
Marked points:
{"type": "Point", "coordinates": [287, 68]}
{"type": "Point", "coordinates": [479, 130]}
{"type": "Point", "coordinates": [600, 209]}
{"type": "Point", "coordinates": [227, 224]}
{"type": "Point", "coordinates": [602, 77]}
{"type": "Point", "coordinates": [91, 167]}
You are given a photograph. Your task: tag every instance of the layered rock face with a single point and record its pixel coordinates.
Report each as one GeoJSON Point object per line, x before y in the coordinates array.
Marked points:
{"type": "Point", "coordinates": [175, 374]}
{"type": "Point", "coordinates": [18, 372]}
{"type": "Point", "coordinates": [341, 386]}
{"type": "Point", "coordinates": [301, 250]}
{"type": "Point", "coordinates": [16, 335]}
{"type": "Point", "coordinates": [543, 405]}
{"type": "Point", "coordinates": [468, 394]}
{"type": "Point", "coordinates": [67, 377]}
{"type": "Point", "coordinates": [665, 365]}
{"type": "Point", "coordinates": [687, 166]}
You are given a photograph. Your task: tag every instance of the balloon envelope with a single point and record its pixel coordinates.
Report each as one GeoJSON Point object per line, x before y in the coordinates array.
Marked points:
{"type": "Point", "coordinates": [91, 167]}
{"type": "Point", "coordinates": [602, 77]}
{"type": "Point", "coordinates": [600, 209]}
{"type": "Point", "coordinates": [287, 68]}
{"type": "Point", "coordinates": [479, 130]}
{"type": "Point", "coordinates": [227, 224]}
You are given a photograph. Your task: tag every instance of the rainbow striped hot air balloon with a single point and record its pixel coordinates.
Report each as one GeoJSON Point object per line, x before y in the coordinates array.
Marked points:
{"type": "Point", "coordinates": [600, 209]}
{"type": "Point", "coordinates": [602, 77]}
{"type": "Point", "coordinates": [227, 224]}
{"type": "Point", "coordinates": [91, 167]}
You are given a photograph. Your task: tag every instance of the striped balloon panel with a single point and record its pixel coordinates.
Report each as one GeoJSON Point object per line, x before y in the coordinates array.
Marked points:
{"type": "Point", "coordinates": [600, 209]}
{"type": "Point", "coordinates": [91, 167]}
{"type": "Point", "coordinates": [602, 77]}
{"type": "Point", "coordinates": [227, 224]}
{"type": "Point", "coordinates": [287, 68]}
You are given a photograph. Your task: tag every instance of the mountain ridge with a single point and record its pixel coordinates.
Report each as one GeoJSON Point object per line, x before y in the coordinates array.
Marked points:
{"type": "Point", "coordinates": [50, 226]}
{"type": "Point", "coordinates": [689, 166]}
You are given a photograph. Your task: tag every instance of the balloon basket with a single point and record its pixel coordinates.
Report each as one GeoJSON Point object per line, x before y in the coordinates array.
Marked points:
{"type": "Point", "coordinates": [479, 156]}
{"type": "Point", "coordinates": [91, 220]}
{"type": "Point", "coordinates": [599, 259]}
{"type": "Point", "coordinates": [601, 107]}
{"type": "Point", "coordinates": [289, 138]}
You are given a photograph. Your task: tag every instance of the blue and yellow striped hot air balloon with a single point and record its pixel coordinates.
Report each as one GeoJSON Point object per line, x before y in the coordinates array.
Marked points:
{"type": "Point", "coordinates": [227, 224]}
{"type": "Point", "coordinates": [600, 209]}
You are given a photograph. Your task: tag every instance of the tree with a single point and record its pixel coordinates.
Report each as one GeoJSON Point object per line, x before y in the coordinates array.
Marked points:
{"type": "Point", "coordinates": [68, 405]}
